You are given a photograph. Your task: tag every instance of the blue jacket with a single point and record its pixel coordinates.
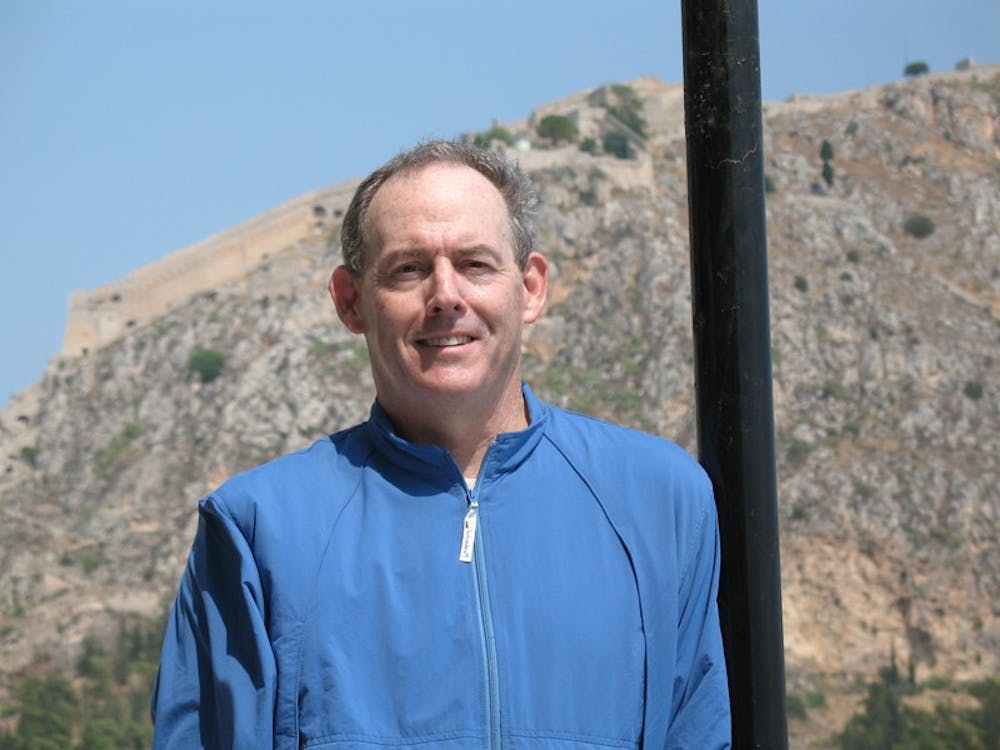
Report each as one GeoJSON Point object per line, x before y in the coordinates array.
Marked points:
{"type": "Point", "coordinates": [325, 604]}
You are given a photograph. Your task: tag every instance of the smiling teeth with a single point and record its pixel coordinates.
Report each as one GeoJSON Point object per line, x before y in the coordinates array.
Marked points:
{"type": "Point", "coordinates": [448, 341]}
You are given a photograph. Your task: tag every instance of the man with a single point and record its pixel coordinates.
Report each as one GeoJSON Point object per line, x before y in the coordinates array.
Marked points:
{"type": "Point", "coordinates": [470, 568]}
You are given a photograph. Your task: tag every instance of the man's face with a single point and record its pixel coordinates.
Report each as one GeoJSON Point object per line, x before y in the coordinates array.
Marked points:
{"type": "Point", "coordinates": [441, 300]}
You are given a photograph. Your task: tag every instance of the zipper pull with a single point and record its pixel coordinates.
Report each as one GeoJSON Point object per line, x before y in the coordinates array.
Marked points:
{"type": "Point", "coordinates": [469, 532]}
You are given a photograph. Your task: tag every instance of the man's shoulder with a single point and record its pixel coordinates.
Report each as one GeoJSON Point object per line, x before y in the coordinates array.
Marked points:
{"type": "Point", "coordinates": [633, 474]}
{"type": "Point", "coordinates": [600, 443]}
{"type": "Point", "coordinates": [324, 473]}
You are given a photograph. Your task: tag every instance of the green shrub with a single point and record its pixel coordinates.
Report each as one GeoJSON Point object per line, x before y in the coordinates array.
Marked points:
{"type": "Point", "coordinates": [915, 69]}
{"type": "Point", "coordinates": [207, 364]}
{"type": "Point", "coordinates": [889, 721]}
{"type": "Point", "coordinates": [853, 256]}
{"type": "Point", "coordinates": [973, 389]}
{"type": "Point", "coordinates": [90, 559]}
{"type": "Point", "coordinates": [495, 133]}
{"type": "Point", "coordinates": [796, 706]}
{"type": "Point", "coordinates": [626, 96]}
{"type": "Point", "coordinates": [834, 389]}
{"type": "Point", "coordinates": [319, 349]}
{"type": "Point", "coordinates": [852, 128]}
{"type": "Point", "coordinates": [801, 283]}
{"type": "Point", "coordinates": [627, 108]}
{"type": "Point", "coordinates": [918, 226]}
{"type": "Point", "coordinates": [769, 186]}
{"type": "Point", "coordinates": [826, 151]}
{"type": "Point", "coordinates": [93, 663]}
{"type": "Point", "coordinates": [114, 450]}
{"type": "Point", "coordinates": [987, 718]}
{"type": "Point", "coordinates": [828, 174]}
{"type": "Point", "coordinates": [616, 142]}
{"type": "Point", "coordinates": [47, 710]}
{"type": "Point", "coordinates": [103, 706]}
{"type": "Point", "coordinates": [29, 454]}
{"type": "Point", "coordinates": [815, 699]}
{"type": "Point", "coordinates": [557, 128]}
{"type": "Point", "coordinates": [798, 451]}
{"type": "Point", "coordinates": [588, 145]}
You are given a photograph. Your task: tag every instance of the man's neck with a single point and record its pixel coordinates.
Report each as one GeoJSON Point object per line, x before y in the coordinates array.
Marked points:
{"type": "Point", "coordinates": [464, 430]}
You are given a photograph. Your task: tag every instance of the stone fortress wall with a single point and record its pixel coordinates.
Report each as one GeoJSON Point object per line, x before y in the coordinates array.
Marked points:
{"type": "Point", "coordinates": [101, 315]}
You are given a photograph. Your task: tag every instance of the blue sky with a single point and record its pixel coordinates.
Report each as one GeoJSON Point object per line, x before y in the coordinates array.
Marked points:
{"type": "Point", "coordinates": [132, 128]}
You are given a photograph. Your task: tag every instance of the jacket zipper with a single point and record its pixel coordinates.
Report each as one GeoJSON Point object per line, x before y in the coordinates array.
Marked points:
{"type": "Point", "coordinates": [469, 532]}
{"type": "Point", "coordinates": [489, 645]}
{"type": "Point", "coordinates": [472, 551]}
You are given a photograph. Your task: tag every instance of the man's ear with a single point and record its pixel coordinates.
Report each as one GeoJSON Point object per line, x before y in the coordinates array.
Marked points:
{"type": "Point", "coordinates": [345, 291]}
{"type": "Point", "coordinates": [535, 278]}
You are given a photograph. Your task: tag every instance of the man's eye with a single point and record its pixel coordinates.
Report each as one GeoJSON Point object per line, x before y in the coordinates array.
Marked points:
{"type": "Point", "coordinates": [407, 269]}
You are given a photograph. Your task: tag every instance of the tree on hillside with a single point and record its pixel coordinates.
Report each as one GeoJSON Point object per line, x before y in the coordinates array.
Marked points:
{"type": "Point", "coordinates": [828, 174]}
{"type": "Point", "coordinates": [918, 226]}
{"type": "Point", "coordinates": [987, 719]}
{"type": "Point", "coordinates": [888, 723]}
{"type": "Point", "coordinates": [495, 133]}
{"type": "Point", "coordinates": [47, 710]}
{"type": "Point", "coordinates": [557, 128]}
{"type": "Point", "coordinates": [627, 108]}
{"type": "Point", "coordinates": [207, 364]}
{"type": "Point", "coordinates": [914, 69]}
{"type": "Point", "coordinates": [616, 142]}
{"type": "Point", "coordinates": [826, 154]}
{"type": "Point", "coordinates": [104, 705]}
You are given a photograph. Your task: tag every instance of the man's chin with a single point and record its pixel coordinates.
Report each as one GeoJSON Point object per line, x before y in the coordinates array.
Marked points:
{"type": "Point", "coordinates": [456, 388]}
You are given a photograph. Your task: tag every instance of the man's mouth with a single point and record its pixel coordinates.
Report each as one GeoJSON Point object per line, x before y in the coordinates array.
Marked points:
{"type": "Point", "coordinates": [446, 341]}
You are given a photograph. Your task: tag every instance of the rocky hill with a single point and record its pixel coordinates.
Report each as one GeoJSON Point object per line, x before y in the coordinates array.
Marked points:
{"type": "Point", "coordinates": [883, 217]}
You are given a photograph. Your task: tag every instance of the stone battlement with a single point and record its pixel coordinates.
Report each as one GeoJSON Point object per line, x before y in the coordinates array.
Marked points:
{"type": "Point", "coordinates": [100, 316]}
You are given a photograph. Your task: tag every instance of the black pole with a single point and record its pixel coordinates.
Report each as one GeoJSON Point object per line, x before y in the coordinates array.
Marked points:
{"type": "Point", "coordinates": [733, 350]}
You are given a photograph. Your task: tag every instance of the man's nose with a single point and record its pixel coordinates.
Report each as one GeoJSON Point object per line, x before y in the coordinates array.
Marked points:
{"type": "Point", "coordinates": [445, 291]}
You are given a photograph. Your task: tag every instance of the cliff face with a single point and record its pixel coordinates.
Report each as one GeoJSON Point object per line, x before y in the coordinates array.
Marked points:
{"type": "Point", "coordinates": [885, 380]}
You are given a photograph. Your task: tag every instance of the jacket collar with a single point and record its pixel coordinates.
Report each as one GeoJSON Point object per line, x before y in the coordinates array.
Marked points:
{"type": "Point", "coordinates": [505, 454]}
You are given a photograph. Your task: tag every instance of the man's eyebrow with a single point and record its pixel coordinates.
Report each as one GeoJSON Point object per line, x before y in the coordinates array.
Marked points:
{"type": "Point", "coordinates": [394, 256]}
{"type": "Point", "coordinates": [493, 253]}
{"type": "Point", "coordinates": [415, 253]}
{"type": "Point", "coordinates": [384, 264]}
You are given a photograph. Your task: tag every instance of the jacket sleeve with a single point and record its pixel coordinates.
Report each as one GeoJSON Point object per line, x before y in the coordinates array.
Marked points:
{"type": "Point", "coordinates": [700, 712]}
{"type": "Point", "coordinates": [216, 682]}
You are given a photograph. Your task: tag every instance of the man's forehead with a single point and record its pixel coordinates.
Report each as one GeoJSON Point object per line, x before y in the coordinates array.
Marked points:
{"type": "Point", "coordinates": [452, 189]}
{"type": "Point", "coordinates": [444, 172]}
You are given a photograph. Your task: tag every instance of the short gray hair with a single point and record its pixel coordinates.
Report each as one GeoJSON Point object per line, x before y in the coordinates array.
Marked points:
{"type": "Point", "coordinates": [505, 175]}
